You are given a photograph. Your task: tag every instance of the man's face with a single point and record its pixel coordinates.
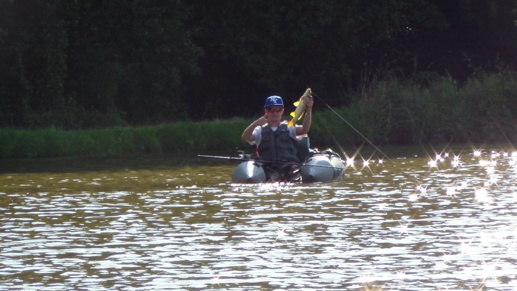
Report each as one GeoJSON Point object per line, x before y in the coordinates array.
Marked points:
{"type": "Point", "coordinates": [275, 110]}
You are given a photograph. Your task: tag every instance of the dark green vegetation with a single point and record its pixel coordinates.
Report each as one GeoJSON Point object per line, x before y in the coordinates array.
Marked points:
{"type": "Point", "coordinates": [402, 71]}
{"type": "Point", "coordinates": [387, 111]}
{"type": "Point", "coordinates": [178, 137]}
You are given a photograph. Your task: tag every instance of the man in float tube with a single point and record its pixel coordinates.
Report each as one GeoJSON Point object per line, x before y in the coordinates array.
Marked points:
{"type": "Point", "coordinates": [276, 141]}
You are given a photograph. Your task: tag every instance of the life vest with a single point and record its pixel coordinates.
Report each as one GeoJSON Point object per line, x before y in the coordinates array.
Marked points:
{"type": "Point", "coordinates": [277, 146]}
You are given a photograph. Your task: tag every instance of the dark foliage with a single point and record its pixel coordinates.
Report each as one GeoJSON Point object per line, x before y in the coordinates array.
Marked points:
{"type": "Point", "coordinates": [91, 63]}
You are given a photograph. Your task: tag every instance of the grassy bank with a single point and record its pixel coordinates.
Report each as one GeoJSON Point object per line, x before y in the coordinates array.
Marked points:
{"type": "Point", "coordinates": [386, 110]}
{"type": "Point", "coordinates": [426, 110]}
{"type": "Point", "coordinates": [179, 137]}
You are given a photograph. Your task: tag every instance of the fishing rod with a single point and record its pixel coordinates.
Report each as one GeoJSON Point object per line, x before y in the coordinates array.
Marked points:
{"type": "Point", "coordinates": [242, 158]}
{"type": "Point", "coordinates": [225, 158]}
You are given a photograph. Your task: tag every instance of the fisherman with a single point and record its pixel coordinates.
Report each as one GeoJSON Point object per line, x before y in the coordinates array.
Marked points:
{"type": "Point", "coordinates": [276, 142]}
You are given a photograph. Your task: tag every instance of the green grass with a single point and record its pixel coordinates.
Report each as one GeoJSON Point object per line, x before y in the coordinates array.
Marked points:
{"type": "Point", "coordinates": [484, 109]}
{"type": "Point", "coordinates": [179, 137]}
{"type": "Point", "coordinates": [386, 111]}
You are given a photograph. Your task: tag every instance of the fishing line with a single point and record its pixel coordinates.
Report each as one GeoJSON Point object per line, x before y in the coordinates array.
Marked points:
{"type": "Point", "coordinates": [351, 126]}
{"type": "Point", "coordinates": [421, 188]}
{"type": "Point", "coordinates": [366, 139]}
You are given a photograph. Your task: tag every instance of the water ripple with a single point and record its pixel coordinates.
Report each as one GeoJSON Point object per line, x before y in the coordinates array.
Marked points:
{"type": "Point", "coordinates": [405, 226]}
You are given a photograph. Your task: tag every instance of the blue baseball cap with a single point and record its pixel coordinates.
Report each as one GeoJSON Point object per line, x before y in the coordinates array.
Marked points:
{"type": "Point", "coordinates": [274, 101]}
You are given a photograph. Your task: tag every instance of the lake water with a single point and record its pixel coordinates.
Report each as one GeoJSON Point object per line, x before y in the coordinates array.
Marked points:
{"type": "Point", "coordinates": [421, 219]}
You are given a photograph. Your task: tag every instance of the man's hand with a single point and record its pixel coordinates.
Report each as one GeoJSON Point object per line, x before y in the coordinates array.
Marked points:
{"type": "Point", "coordinates": [262, 120]}
{"type": "Point", "coordinates": [308, 100]}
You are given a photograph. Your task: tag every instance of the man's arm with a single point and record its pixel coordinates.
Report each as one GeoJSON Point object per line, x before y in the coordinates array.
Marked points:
{"type": "Point", "coordinates": [247, 135]}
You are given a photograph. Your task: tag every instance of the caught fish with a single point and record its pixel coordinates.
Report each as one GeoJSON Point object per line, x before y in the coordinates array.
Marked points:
{"type": "Point", "coordinates": [300, 108]}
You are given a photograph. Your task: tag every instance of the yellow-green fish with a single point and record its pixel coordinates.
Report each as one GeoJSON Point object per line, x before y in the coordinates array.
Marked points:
{"type": "Point", "coordinates": [300, 108]}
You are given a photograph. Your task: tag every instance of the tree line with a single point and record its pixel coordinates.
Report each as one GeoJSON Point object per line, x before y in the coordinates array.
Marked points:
{"type": "Point", "coordinates": [93, 63]}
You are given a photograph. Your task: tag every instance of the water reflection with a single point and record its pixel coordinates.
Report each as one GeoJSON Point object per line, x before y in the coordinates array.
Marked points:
{"type": "Point", "coordinates": [421, 222]}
